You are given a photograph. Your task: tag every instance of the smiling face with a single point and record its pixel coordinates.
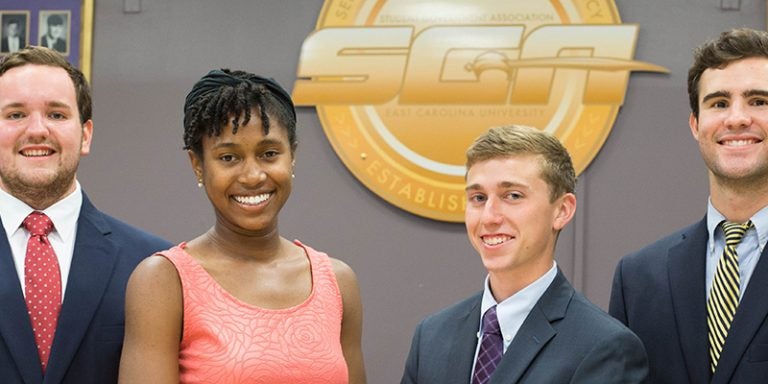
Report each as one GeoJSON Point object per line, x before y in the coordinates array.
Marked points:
{"type": "Point", "coordinates": [732, 125]}
{"type": "Point", "coordinates": [511, 219]}
{"type": "Point", "coordinates": [247, 175]}
{"type": "Point", "coordinates": [41, 137]}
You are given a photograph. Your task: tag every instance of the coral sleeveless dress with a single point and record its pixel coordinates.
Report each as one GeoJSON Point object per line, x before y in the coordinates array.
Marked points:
{"type": "Point", "coordinates": [227, 341]}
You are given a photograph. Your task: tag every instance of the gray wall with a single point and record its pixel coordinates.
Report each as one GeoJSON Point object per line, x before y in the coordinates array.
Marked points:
{"type": "Point", "coordinates": [647, 180]}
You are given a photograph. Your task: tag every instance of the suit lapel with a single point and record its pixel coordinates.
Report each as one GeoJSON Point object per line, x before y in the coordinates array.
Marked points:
{"type": "Point", "coordinates": [687, 269]}
{"type": "Point", "coordinates": [535, 332]}
{"type": "Point", "coordinates": [93, 260]}
{"type": "Point", "coordinates": [749, 317]}
{"type": "Point", "coordinates": [15, 327]}
{"type": "Point", "coordinates": [461, 353]}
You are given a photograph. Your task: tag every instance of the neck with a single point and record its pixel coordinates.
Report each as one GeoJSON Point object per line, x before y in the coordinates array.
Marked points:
{"type": "Point", "coordinates": [264, 246]}
{"type": "Point", "coordinates": [43, 196]}
{"type": "Point", "coordinates": [738, 202]}
{"type": "Point", "coordinates": [38, 199]}
{"type": "Point", "coordinates": [505, 284]}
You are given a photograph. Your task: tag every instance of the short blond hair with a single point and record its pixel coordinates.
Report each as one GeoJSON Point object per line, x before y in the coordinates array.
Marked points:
{"type": "Point", "coordinates": [512, 140]}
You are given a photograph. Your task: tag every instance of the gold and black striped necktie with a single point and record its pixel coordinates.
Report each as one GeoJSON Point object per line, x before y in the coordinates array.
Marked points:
{"type": "Point", "coordinates": [724, 294]}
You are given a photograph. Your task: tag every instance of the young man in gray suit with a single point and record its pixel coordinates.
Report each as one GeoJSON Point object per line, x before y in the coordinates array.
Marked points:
{"type": "Point", "coordinates": [697, 297]}
{"type": "Point", "coordinates": [62, 290]}
{"type": "Point", "coordinates": [535, 327]}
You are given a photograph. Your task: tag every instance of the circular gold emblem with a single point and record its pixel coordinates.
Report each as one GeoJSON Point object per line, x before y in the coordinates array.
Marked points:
{"type": "Point", "coordinates": [402, 87]}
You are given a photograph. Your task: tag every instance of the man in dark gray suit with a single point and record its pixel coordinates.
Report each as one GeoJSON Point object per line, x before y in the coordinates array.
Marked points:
{"type": "Point", "coordinates": [535, 327]}
{"type": "Point", "coordinates": [700, 311]}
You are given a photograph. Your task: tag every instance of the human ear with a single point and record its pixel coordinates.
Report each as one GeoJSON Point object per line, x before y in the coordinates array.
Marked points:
{"type": "Point", "coordinates": [693, 122]}
{"type": "Point", "coordinates": [197, 166]}
{"type": "Point", "coordinates": [566, 208]}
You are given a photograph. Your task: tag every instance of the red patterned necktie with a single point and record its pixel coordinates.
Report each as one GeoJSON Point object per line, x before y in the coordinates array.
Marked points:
{"type": "Point", "coordinates": [42, 283]}
{"type": "Point", "coordinates": [491, 348]}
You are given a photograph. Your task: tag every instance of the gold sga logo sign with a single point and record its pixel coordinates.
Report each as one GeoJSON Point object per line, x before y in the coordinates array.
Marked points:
{"type": "Point", "coordinates": [402, 87]}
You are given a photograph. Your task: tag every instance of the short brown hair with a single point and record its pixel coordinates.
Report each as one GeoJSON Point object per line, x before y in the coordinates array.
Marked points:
{"type": "Point", "coordinates": [49, 57]}
{"type": "Point", "coordinates": [732, 45]}
{"type": "Point", "coordinates": [556, 167]}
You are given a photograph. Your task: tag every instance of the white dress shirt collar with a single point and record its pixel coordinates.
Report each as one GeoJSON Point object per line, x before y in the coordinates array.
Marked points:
{"type": "Point", "coordinates": [513, 311]}
{"type": "Point", "coordinates": [63, 214]}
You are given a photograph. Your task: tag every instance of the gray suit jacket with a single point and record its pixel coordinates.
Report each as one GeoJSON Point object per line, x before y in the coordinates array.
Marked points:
{"type": "Point", "coordinates": [565, 339]}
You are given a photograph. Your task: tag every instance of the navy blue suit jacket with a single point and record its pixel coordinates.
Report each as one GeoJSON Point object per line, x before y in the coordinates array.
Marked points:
{"type": "Point", "coordinates": [89, 336]}
{"type": "Point", "coordinates": [564, 339]}
{"type": "Point", "coordinates": [659, 292]}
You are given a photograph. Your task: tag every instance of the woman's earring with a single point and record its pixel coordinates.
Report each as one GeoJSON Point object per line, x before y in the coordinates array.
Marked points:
{"type": "Point", "coordinates": [199, 183]}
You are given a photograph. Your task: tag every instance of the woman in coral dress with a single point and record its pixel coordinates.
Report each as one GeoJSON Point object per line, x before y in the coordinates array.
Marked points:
{"type": "Point", "coordinates": [240, 303]}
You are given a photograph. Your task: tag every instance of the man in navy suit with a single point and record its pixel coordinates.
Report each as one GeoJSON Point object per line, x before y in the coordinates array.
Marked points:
{"type": "Point", "coordinates": [665, 291]}
{"type": "Point", "coordinates": [45, 127]}
{"type": "Point", "coordinates": [520, 184]}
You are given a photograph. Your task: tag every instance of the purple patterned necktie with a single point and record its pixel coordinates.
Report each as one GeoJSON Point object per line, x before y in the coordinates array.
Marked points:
{"type": "Point", "coordinates": [491, 348]}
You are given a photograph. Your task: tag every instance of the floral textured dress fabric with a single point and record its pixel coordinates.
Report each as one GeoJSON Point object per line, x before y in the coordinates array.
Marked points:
{"type": "Point", "coordinates": [228, 341]}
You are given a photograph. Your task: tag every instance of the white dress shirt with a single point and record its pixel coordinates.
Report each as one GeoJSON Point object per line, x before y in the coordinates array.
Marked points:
{"type": "Point", "coordinates": [13, 43]}
{"type": "Point", "coordinates": [513, 311]}
{"type": "Point", "coordinates": [63, 214]}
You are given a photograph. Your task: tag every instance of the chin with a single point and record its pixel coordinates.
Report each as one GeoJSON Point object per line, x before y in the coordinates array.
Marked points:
{"type": "Point", "coordinates": [494, 264]}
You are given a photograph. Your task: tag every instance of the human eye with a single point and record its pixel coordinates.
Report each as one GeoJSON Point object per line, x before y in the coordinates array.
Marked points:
{"type": "Point", "coordinates": [759, 102]}
{"type": "Point", "coordinates": [719, 104]}
{"type": "Point", "coordinates": [227, 157]}
{"type": "Point", "coordinates": [476, 198]}
{"type": "Point", "coordinates": [57, 116]}
{"type": "Point", "coordinates": [513, 195]}
{"type": "Point", "coordinates": [270, 154]}
{"type": "Point", "coordinates": [15, 115]}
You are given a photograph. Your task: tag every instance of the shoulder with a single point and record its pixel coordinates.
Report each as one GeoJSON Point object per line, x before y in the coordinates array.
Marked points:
{"type": "Point", "coordinates": [154, 301]}
{"type": "Point", "coordinates": [593, 326]}
{"type": "Point", "coordinates": [345, 275]}
{"type": "Point", "coordinates": [602, 347]}
{"type": "Point", "coordinates": [658, 248]}
{"type": "Point", "coordinates": [120, 231]}
{"type": "Point", "coordinates": [346, 279]}
{"type": "Point", "coordinates": [455, 310]}
{"type": "Point", "coordinates": [154, 274]}
{"type": "Point", "coordinates": [586, 312]}
{"type": "Point", "coordinates": [156, 266]}
{"type": "Point", "coordinates": [122, 228]}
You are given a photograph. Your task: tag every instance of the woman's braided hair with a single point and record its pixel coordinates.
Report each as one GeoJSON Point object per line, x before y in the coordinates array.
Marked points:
{"type": "Point", "coordinates": [224, 95]}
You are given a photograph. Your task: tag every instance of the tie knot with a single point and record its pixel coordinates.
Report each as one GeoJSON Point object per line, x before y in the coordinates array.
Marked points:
{"type": "Point", "coordinates": [734, 232]}
{"type": "Point", "coordinates": [491, 322]}
{"type": "Point", "coordinates": [38, 224]}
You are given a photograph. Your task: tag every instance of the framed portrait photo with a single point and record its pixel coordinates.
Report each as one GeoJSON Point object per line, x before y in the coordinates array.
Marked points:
{"type": "Point", "coordinates": [63, 25]}
{"type": "Point", "coordinates": [15, 31]}
{"type": "Point", "coordinates": [54, 30]}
